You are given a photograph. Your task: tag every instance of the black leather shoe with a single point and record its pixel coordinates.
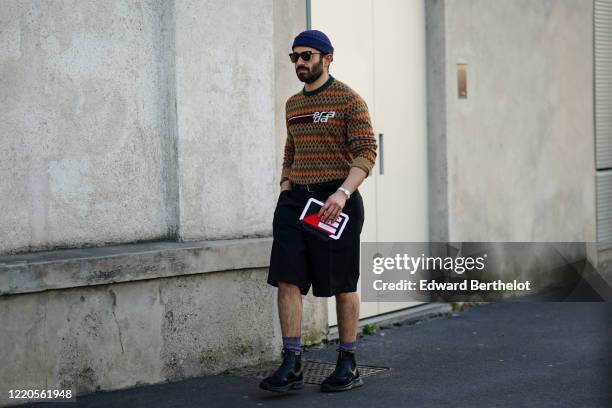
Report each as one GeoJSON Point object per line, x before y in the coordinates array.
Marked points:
{"type": "Point", "coordinates": [345, 376]}
{"type": "Point", "coordinates": [289, 376]}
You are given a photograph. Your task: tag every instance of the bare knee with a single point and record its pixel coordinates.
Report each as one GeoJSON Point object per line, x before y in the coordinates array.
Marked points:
{"type": "Point", "coordinates": [346, 297]}
{"type": "Point", "coordinates": [288, 288]}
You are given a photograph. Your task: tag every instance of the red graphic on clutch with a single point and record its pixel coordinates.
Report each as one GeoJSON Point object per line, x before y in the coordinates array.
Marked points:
{"type": "Point", "coordinates": [311, 217]}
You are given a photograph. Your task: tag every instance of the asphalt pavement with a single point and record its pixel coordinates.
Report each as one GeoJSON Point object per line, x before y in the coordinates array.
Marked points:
{"type": "Point", "coordinates": [505, 354]}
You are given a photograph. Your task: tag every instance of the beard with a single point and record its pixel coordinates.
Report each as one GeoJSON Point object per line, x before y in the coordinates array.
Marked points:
{"type": "Point", "coordinates": [309, 76]}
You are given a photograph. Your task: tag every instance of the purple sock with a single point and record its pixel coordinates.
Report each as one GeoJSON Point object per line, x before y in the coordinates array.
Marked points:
{"type": "Point", "coordinates": [350, 347]}
{"type": "Point", "coordinates": [292, 343]}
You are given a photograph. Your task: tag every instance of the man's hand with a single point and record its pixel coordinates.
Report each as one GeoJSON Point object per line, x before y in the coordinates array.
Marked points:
{"type": "Point", "coordinates": [332, 208]}
{"type": "Point", "coordinates": [286, 185]}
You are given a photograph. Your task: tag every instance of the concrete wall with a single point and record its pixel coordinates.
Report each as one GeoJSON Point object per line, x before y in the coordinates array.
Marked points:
{"type": "Point", "coordinates": [225, 99]}
{"type": "Point", "coordinates": [118, 316]}
{"type": "Point", "coordinates": [126, 121]}
{"type": "Point", "coordinates": [120, 335]}
{"type": "Point", "coordinates": [436, 120]}
{"type": "Point", "coordinates": [84, 121]}
{"type": "Point", "coordinates": [518, 152]}
{"type": "Point", "coordinates": [289, 21]}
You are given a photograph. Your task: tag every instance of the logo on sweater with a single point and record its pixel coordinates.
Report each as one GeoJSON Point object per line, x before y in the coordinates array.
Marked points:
{"type": "Point", "coordinates": [323, 116]}
{"type": "Point", "coordinates": [317, 117]}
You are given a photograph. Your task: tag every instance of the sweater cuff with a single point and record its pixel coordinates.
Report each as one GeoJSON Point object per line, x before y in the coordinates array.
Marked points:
{"type": "Point", "coordinates": [362, 163]}
{"type": "Point", "coordinates": [285, 174]}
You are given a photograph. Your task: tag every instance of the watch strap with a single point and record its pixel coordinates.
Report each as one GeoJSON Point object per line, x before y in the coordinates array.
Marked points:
{"type": "Point", "coordinates": [345, 191]}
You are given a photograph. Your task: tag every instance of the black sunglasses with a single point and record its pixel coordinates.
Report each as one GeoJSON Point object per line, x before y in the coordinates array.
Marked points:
{"type": "Point", "coordinates": [294, 56]}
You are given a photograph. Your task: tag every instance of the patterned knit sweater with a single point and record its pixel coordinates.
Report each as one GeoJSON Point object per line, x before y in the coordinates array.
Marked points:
{"type": "Point", "coordinates": [328, 132]}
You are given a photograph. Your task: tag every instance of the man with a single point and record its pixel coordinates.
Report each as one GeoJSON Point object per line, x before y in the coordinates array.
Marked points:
{"type": "Point", "coordinates": [330, 150]}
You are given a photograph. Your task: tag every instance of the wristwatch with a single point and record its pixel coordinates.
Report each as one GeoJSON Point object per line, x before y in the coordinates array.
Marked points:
{"type": "Point", "coordinates": [345, 191]}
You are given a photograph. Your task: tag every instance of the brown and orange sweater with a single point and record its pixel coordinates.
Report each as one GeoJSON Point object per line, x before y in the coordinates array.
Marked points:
{"type": "Point", "coordinates": [328, 131]}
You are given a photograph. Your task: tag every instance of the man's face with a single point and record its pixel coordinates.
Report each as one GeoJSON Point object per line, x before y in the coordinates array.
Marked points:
{"type": "Point", "coordinates": [309, 71]}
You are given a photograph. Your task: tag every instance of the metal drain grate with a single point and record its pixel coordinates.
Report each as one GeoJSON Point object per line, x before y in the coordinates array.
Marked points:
{"type": "Point", "coordinates": [315, 371]}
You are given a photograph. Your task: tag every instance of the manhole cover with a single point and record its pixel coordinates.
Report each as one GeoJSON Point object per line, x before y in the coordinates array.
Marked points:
{"type": "Point", "coordinates": [316, 371]}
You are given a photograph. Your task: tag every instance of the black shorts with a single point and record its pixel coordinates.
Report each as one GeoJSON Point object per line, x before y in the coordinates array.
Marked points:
{"type": "Point", "coordinates": [302, 258]}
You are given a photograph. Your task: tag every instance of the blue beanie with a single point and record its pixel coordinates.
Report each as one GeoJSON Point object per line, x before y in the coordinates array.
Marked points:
{"type": "Point", "coordinates": [315, 39]}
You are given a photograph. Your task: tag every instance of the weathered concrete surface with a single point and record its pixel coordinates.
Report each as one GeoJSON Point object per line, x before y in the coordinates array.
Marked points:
{"type": "Point", "coordinates": [600, 256]}
{"type": "Point", "coordinates": [289, 21]}
{"type": "Point", "coordinates": [132, 121]}
{"type": "Point", "coordinates": [436, 120]}
{"type": "Point", "coordinates": [70, 268]}
{"type": "Point", "coordinates": [225, 99]}
{"type": "Point", "coordinates": [314, 319]}
{"type": "Point", "coordinates": [140, 121]}
{"type": "Point", "coordinates": [519, 149]}
{"type": "Point", "coordinates": [115, 336]}
{"type": "Point", "coordinates": [84, 120]}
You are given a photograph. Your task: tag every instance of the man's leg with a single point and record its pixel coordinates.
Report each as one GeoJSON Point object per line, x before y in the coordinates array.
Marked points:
{"type": "Point", "coordinates": [347, 312]}
{"type": "Point", "coordinates": [346, 375]}
{"type": "Point", "coordinates": [288, 263]}
{"type": "Point", "coordinates": [290, 309]}
{"type": "Point", "coordinates": [289, 376]}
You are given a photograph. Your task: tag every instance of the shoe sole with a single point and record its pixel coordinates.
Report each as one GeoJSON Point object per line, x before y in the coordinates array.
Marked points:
{"type": "Point", "coordinates": [358, 382]}
{"type": "Point", "coordinates": [289, 387]}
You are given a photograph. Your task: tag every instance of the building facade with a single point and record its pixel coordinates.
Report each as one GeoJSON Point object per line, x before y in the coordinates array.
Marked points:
{"type": "Point", "coordinates": [141, 146]}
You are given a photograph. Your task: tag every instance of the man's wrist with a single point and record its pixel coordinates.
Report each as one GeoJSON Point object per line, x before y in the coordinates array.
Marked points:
{"type": "Point", "coordinates": [286, 184]}
{"type": "Point", "coordinates": [345, 191]}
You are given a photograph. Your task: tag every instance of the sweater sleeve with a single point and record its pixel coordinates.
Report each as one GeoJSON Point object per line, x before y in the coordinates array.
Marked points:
{"type": "Point", "coordinates": [360, 134]}
{"type": "Point", "coordinates": [288, 157]}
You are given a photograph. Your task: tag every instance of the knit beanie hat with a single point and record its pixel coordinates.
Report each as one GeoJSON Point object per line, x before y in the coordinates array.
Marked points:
{"type": "Point", "coordinates": [315, 39]}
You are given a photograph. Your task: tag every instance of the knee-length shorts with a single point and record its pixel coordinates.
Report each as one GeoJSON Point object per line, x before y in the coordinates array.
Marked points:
{"type": "Point", "coordinates": [302, 258]}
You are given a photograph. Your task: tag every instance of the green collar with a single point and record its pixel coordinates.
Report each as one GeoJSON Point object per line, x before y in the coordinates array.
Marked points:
{"type": "Point", "coordinates": [319, 89]}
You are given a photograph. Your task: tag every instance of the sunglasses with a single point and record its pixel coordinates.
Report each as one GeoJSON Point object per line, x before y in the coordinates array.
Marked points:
{"type": "Point", "coordinates": [305, 55]}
